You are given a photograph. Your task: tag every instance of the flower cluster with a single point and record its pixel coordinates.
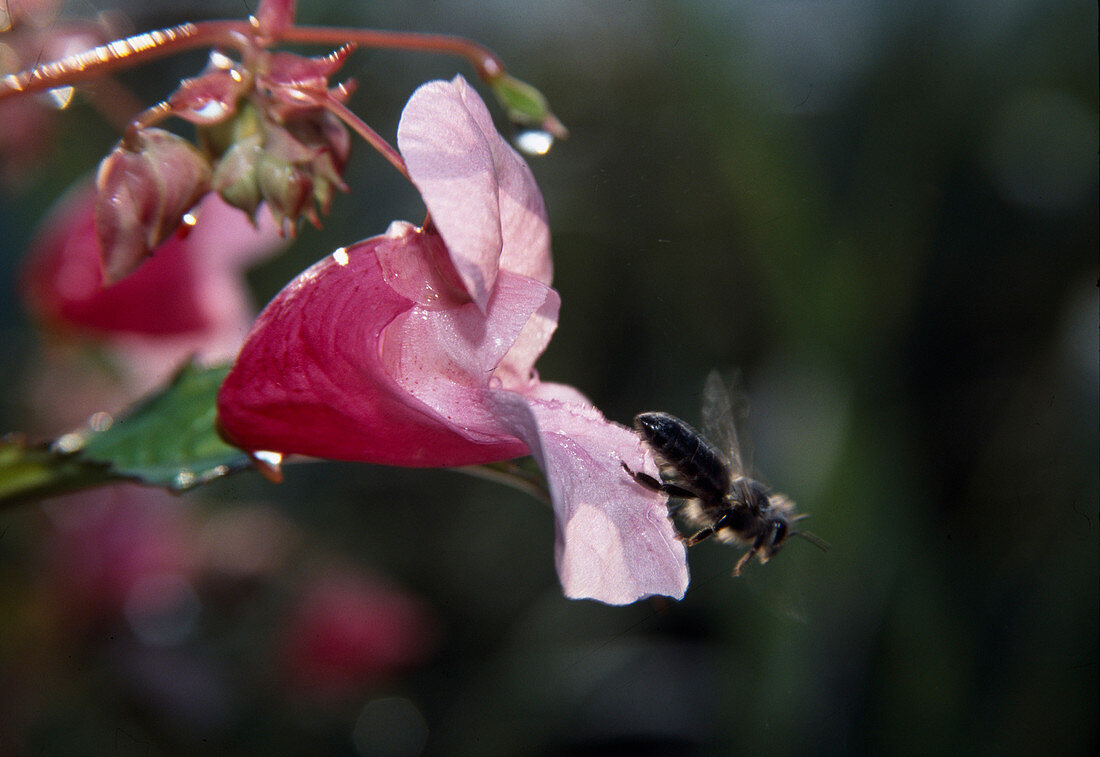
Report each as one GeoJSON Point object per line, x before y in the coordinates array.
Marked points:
{"type": "Point", "coordinates": [264, 136]}
{"type": "Point", "coordinates": [414, 348]}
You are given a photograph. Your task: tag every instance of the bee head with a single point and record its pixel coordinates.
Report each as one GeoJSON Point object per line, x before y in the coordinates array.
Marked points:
{"type": "Point", "coordinates": [780, 529]}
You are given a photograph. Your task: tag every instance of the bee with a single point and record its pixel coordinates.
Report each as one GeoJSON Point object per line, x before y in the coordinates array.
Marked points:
{"type": "Point", "coordinates": [716, 495]}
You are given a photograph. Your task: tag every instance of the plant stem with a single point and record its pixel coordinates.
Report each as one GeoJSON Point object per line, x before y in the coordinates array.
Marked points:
{"type": "Point", "coordinates": [123, 53]}
{"type": "Point", "coordinates": [484, 60]}
{"type": "Point", "coordinates": [373, 138]}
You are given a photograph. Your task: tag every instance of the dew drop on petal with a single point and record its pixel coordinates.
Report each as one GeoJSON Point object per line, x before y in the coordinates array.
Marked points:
{"type": "Point", "coordinates": [340, 255]}
{"type": "Point", "coordinates": [60, 97]}
{"type": "Point", "coordinates": [68, 443]}
{"type": "Point", "coordinates": [534, 141]}
{"type": "Point", "coordinates": [268, 464]}
{"type": "Point", "coordinates": [213, 110]}
{"type": "Point", "coordinates": [221, 60]}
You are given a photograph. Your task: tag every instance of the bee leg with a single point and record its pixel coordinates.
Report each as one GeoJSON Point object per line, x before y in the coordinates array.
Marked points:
{"type": "Point", "coordinates": [709, 531]}
{"type": "Point", "coordinates": [653, 484]}
{"type": "Point", "coordinates": [698, 536]}
{"type": "Point", "coordinates": [745, 559]}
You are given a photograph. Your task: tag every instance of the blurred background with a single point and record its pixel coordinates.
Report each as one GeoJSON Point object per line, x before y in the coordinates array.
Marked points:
{"type": "Point", "coordinates": [883, 214]}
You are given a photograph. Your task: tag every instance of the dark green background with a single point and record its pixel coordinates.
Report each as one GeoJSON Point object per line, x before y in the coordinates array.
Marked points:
{"type": "Point", "coordinates": [884, 215]}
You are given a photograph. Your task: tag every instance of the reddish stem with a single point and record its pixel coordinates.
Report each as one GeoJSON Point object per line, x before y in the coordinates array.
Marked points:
{"type": "Point", "coordinates": [237, 34]}
{"type": "Point", "coordinates": [373, 138]}
{"type": "Point", "coordinates": [484, 60]}
{"type": "Point", "coordinates": [147, 118]}
{"type": "Point", "coordinates": [123, 53]}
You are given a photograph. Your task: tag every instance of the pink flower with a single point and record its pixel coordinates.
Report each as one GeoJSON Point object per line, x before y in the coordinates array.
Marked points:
{"type": "Point", "coordinates": [111, 543]}
{"type": "Point", "coordinates": [347, 631]}
{"type": "Point", "coordinates": [189, 299]}
{"type": "Point", "coordinates": [417, 348]}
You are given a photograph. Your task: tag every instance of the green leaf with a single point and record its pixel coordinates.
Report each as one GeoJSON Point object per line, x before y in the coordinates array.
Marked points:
{"type": "Point", "coordinates": [169, 439]}
{"type": "Point", "coordinates": [31, 472]}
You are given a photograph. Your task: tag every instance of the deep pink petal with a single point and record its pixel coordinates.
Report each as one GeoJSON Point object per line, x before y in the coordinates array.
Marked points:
{"type": "Point", "coordinates": [314, 375]}
{"type": "Point", "coordinates": [615, 542]}
{"type": "Point", "coordinates": [191, 285]}
{"type": "Point", "coordinates": [480, 194]}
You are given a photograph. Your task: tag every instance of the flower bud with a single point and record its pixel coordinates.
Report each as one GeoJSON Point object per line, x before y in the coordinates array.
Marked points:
{"type": "Point", "coordinates": [526, 106]}
{"type": "Point", "coordinates": [285, 187]}
{"type": "Point", "coordinates": [142, 191]}
{"type": "Point", "coordinates": [236, 176]}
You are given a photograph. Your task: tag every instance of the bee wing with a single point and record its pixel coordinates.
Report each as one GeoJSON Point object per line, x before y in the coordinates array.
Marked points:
{"type": "Point", "coordinates": [719, 423]}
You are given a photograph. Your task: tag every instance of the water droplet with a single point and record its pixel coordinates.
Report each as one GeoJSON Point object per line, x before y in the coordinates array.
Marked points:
{"type": "Point", "coordinates": [221, 60]}
{"type": "Point", "coordinates": [100, 421]}
{"type": "Point", "coordinates": [60, 97]}
{"type": "Point", "coordinates": [183, 479]}
{"type": "Point", "coordinates": [534, 141]}
{"type": "Point", "coordinates": [340, 256]}
{"type": "Point", "coordinates": [69, 443]}
{"type": "Point", "coordinates": [211, 111]}
{"type": "Point", "coordinates": [268, 464]}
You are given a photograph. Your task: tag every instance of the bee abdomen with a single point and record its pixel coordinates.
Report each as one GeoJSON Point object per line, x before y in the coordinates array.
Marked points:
{"type": "Point", "coordinates": [684, 448]}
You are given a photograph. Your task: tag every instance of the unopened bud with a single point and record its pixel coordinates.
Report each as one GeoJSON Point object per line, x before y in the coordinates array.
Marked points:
{"type": "Point", "coordinates": [526, 106]}
{"type": "Point", "coordinates": [236, 176]}
{"type": "Point", "coordinates": [142, 192]}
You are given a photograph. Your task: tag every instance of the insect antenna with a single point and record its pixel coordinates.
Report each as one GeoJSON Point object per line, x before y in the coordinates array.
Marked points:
{"type": "Point", "coordinates": [817, 541]}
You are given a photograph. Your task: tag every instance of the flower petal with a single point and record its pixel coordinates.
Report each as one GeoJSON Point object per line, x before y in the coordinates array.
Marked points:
{"type": "Point", "coordinates": [314, 376]}
{"type": "Point", "coordinates": [480, 194]}
{"type": "Point", "coordinates": [615, 542]}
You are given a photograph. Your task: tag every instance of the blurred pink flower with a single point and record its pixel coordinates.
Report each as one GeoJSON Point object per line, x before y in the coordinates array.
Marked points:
{"type": "Point", "coordinates": [346, 631]}
{"type": "Point", "coordinates": [111, 545]}
{"type": "Point", "coordinates": [190, 299]}
{"type": "Point", "coordinates": [417, 348]}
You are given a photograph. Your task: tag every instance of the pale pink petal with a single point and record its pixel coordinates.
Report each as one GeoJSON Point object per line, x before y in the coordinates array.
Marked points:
{"type": "Point", "coordinates": [615, 542]}
{"type": "Point", "coordinates": [312, 378]}
{"type": "Point", "coordinates": [517, 370]}
{"type": "Point", "coordinates": [440, 355]}
{"type": "Point", "coordinates": [480, 194]}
